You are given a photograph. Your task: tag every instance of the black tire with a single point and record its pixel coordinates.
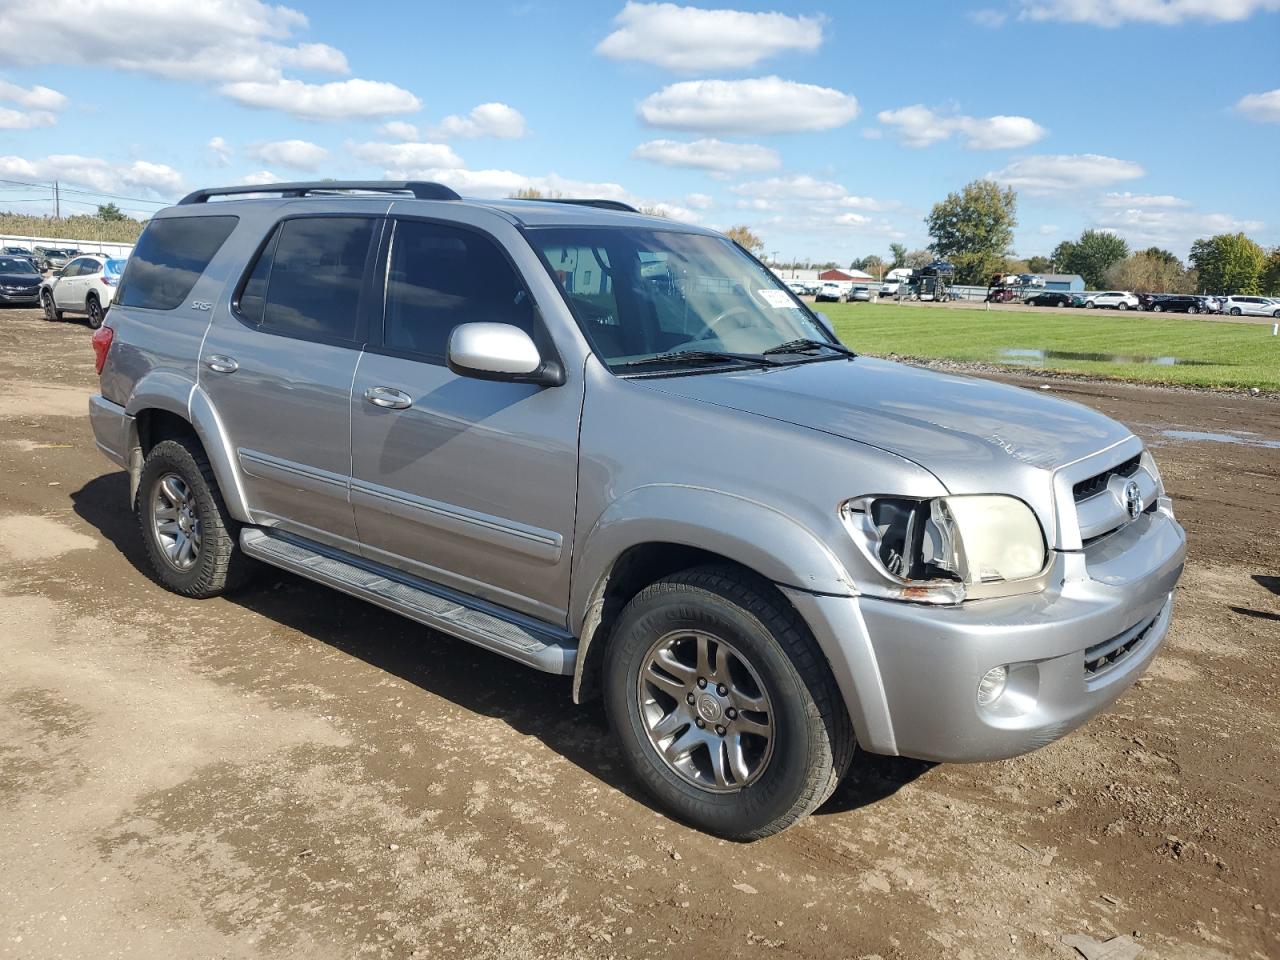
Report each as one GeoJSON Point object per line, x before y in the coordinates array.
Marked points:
{"type": "Point", "coordinates": [1235, 311]}
{"type": "Point", "coordinates": [51, 312]}
{"type": "Point", "coordinates": [1091, 305]}
{"type": "Point", "coordinates": [1156, 308]}
{"type": "Point", "coordinates": [1193, 309]}
{"type": "Point", "coordinates": [1122, 306]}
{"type": "Point", "coordinates": [219, 564]}
{"type": "Point", "coordinates": [813, 740]}
{"type": "Point", "coordinates": [93, 309]}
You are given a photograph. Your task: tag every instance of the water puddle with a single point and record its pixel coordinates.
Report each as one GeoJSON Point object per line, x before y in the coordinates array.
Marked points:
{"type": "Point", "coordinates": [1240, 437]}
{"type": "Point", "coordinates": [1037, 358]}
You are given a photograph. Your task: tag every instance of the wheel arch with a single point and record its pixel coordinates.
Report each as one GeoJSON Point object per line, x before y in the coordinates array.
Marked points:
{"type": "Point", "coordinates": [659, 530]}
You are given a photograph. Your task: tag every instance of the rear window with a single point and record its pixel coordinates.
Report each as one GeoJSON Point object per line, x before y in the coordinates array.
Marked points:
{"type": "Point", "coordinates": [170, 257]}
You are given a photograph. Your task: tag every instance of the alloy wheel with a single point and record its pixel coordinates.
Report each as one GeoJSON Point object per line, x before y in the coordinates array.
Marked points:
{"type": "Point", "coordinates": [705, 711]}
{"type": "Point", "coordinates": [175, 521]}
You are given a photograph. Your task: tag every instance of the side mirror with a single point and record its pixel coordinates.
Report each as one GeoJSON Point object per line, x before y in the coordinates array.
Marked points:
{"type": "Point", "coordinates": [826, 323]}
{"type": "Point", "coordinates": [499, 351]}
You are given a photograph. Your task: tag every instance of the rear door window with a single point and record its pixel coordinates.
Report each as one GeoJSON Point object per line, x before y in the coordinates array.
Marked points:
{"type": "Point", "coordinates": [169, 258]}
{"type": "Point", "coordinates": [308, 279]}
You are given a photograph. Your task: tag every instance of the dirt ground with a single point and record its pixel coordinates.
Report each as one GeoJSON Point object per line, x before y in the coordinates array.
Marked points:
{"type": "Point", "coordinates": [293, 773]}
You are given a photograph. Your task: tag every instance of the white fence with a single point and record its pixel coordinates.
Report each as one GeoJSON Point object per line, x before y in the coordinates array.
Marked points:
{"type": "Point", "coordinates": [62, 243]}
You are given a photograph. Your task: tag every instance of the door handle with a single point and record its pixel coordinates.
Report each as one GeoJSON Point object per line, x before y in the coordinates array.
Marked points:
{"type": "Point", "coordinates": [388, 397]}
{"type": "Point", "coordinates": [220, 364]}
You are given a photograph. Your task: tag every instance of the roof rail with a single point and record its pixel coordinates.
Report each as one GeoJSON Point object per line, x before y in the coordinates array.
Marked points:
{"type": "Point", "coordinates": [421, 189]}
{"type": "Point", "coordinates": [602, 204]}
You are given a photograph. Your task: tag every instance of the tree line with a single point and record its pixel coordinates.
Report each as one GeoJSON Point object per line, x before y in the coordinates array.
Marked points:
{"type": "Point", "coordinates": [973, 230]}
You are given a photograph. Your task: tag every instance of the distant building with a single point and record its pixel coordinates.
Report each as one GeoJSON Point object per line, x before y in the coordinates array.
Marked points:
{"type": "Point", "coordinates": [1070, 282]}
{"type": "Point", "coordinates": [847, 276]}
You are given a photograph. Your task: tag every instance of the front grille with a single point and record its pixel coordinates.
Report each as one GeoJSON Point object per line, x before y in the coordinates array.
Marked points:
{"type": "Point", "coordinates": [1102, 658]}
{"type": "Point", "coordinates": [1097, 484]}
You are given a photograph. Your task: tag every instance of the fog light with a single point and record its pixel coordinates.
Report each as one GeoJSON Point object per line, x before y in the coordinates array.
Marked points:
{"type": "Point", "coordinates": [992, 685]}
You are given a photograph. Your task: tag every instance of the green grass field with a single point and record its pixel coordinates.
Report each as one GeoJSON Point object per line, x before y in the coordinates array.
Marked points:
{"type": "Point", "coordinates": [1209, 354]}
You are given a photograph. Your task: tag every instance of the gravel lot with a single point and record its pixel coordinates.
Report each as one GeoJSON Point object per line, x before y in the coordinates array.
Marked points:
{"type": "Point", "coordinates": [290, 772]}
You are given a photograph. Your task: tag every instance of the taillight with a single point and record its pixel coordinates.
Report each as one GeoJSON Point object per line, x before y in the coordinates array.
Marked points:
{"type": "Point", "coordinates": [108, 281]}
{"type": "Point", "coordinates": [102, 338]}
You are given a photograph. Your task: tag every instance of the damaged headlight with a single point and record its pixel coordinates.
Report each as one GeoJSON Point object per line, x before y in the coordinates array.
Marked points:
{"type": "Point", "coordinates": [949, 549]}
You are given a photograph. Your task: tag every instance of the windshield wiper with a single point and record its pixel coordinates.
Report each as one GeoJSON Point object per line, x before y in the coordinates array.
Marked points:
{"type": "Point", "coordinates": [698, 357]}
{"type": "Point", "coordinates": [806, 345]}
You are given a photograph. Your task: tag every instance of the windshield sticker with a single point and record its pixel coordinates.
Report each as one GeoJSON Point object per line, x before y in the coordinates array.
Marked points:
{"type": "Point", "coordinates": [776, 299]}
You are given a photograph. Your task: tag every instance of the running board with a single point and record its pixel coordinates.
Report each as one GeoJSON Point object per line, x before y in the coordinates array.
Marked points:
{"type": "Point", "coordinates": [521, 638]}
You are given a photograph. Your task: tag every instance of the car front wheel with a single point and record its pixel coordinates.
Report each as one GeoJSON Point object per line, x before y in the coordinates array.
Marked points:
{"type": "Point", "coordinates": [1235, 311]}
{"type": "Point", "coordinates": [723, 704]}
{"type": "Point", "coordinates": [51, 311]}
{"type": "Point", "coordinates": [1122, 306]}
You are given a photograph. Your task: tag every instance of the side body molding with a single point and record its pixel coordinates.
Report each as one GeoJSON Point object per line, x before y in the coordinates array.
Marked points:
{"type": "Point", "coordinates": [750, 533]}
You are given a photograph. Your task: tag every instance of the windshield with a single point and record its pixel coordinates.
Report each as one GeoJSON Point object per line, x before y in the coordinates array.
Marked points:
{"type": "Point", "coordinates": [115, 266]}
{"type": "Point", "coordinates": [16, 265]}
{"type": "Point", "coordinates": [641, 294]}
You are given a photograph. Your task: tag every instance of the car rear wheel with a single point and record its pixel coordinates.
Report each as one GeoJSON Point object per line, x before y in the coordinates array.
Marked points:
{"type": "Point", "coordinates": [94, 309]}
{"type": "Point", "coordinates": [723, 704]}
{"type": "Point", "coordinates": [190, 538]}
{"type": "Point", "coordinates": [51, 311]}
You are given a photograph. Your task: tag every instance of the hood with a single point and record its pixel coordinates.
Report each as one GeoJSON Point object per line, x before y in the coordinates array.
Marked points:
{"type": "Point", "coordinates": [969, 433]}
{"type": "Point", "coordinates": [20, 279]}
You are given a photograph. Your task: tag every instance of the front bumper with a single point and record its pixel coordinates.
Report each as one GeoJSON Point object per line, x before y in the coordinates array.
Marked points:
{"type": "Point", "coordinates": [928, 660]}
{"type": "Point", "coordinates": [20, 296]}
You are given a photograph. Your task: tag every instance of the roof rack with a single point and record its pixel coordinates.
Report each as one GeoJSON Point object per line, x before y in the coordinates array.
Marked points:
{"type": "Point", "coordinates": [421, 189]}
{"type": "Point", "coordinates": [602, 204]}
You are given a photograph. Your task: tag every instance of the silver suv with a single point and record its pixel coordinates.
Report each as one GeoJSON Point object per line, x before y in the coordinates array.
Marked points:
{"type": "Point", "coordinates": [618, 448]}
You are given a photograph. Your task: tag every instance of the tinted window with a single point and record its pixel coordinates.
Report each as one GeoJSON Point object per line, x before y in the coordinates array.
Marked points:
{"type": "Point", "coordinates": [253, 295]}
{"type": "Point", "coordinates": [312, 288]}
{"type": "Point", "coordinates": [169, 258]}
{"type": "Point", "coordinates": [15, 265]}
{"type": "Point", "coordinates": [442, 276]}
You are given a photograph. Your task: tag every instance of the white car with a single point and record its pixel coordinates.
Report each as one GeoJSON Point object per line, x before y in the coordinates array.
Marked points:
{"type": "Point", "coordinates": [85, 285]}
{"type": "Point", "coordinates": [889, 288]}
{"type": "Point", "coordinates": [833, 290]}
{"type": "Point", "coordinates": [799, 288]}
{"type": "Point", "coordinates": [1115, 299]}
{"type": "Point", "coordinates": [1251, 307]}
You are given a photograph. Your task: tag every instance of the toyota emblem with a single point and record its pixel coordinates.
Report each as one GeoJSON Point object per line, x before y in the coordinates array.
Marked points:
{"type": "Point", "coordinates": [1133, 500]}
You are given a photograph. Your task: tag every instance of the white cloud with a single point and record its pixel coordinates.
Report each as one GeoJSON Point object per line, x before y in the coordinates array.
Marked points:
{"type": "Point", "coordinates": [1146, 200]}
{"type": "Point", "coordinates": [1049, 229]}
{"type": "Point", "coordinates": [803, 205]}
{"type": "Point", "coordinates": [919, 126]}
{"type": "Point", "coordinates": [1048, 173]}
{"type": "Point", "coordinates": [25, 119]}
{"type": "Point", "coordinates": [32, 98]}
{"type": "Point", "coordinates": [217, 40]}
{"type": "Point", "coordinates": [1263, 107]}
{"type": "Point", "coordinates": [761, 105]}
{"type": "Point", "coordinates": [700, 201]}
{"type": "Point", "coordinates": [987, 17]}
{"type": "Point", "coordinates": [299, 154]}
{"type": "Point", "coordinates": [219, 152]}
{"type": "Point", "coordinates": [258, 178]}
{"type": "Point", "coordinates": [487, 120]}
{"type": "Point", "coordinates": [339, 100]}
{"type": "Point", "coordinates": [1172, 228]}
{"type": "Point", "coordinates": [1113, 13]}
{"type": "Point", "coordinates": [399, 130]}
{"type": "Point", "coordinates": [715, 156]}
{"type": "Point", "coordinates": [403, 157]}
{"type": "Point", "coordinates": [245, 46]}
{"type": "Point", "coordinates": [95, 173]}
{"type": "Point", "coordinates": [689, 39]}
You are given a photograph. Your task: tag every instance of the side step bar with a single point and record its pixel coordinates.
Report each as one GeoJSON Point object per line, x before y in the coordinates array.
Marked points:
{"type": "Point", "coordinates": [524, 639]}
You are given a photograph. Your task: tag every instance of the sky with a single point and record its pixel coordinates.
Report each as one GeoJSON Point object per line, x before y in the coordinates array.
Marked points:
{"type": "Point", "coordinates": [829, 129]}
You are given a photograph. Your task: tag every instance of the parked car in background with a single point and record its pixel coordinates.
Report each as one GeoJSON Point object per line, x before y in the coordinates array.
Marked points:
{"type": "Point", "coordinates": [889, 288]}
{"type": "Point", "coordinates": [55, 258]}
{"type": "Point", "coordinates": [21, 252]}
{"type": "Point", "coordinates": [85, 285]}
{"type": "Point", "coordinates": [768, 553]}
{"type": "Point", "coordinates": [19, 281]}
{"type": "Point", "coordinates": [1176, 303]}
{"type": "Point", "coordinates": [798, 287]}
{"type": "Point", "coordinates": [1114, 299]}
{"type": "Point", "coordinates": [860, 294]}
{"type": "Point", "coordinates": [1050, 298]}
{"type": "Point", "coordinates": [1077, 299]}
{"type": "Point", "coordinates": [1251, 307]}
{"type": "Point", "coordinates": [832, 290]}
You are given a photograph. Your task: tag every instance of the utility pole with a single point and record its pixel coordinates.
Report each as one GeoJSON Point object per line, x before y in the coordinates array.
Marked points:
{"type": "Point", "coordinates": [57, 205]}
